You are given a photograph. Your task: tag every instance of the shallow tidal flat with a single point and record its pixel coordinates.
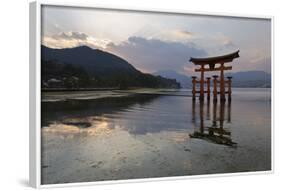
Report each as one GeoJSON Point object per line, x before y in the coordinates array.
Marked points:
{"type": "Point", "coordinates": [109, 135]}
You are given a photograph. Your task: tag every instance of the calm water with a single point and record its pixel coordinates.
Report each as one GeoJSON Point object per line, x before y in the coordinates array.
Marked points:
{"type": "Point", "coordinates": [85, 138]}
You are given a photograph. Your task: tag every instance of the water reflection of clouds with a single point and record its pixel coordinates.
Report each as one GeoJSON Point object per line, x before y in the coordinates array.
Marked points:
{"type": "Point", "coordinates": [56, 111]}
{"type": "Point", "coordinates": [98, 127]}
{"type": "Point", "coordinates": [137, 115]}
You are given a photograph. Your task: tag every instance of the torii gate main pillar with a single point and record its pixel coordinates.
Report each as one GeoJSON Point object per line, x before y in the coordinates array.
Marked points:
{"type": "Point", "coordinates": [201, 97]}
{"type": "Point", "coordinates": [222, 89]}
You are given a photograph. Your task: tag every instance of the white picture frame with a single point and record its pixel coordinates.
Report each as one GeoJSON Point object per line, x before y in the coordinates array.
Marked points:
{"type": "Point", "coordinates": [35, 92]}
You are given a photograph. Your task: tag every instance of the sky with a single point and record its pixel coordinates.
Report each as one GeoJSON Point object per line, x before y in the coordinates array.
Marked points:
{"type": "Point", "coordinates": [153, 42]}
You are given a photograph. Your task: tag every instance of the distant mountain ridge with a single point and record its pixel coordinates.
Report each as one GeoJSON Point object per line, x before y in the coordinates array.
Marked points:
{"type": "Point", "coordinates": [184, 80]}
{"type": "Point", "coordinates": [253, 79]}
{"type": "Point", "coordinates": [86, 67]}
{"type": "Point", "coordinates": [242, 79]}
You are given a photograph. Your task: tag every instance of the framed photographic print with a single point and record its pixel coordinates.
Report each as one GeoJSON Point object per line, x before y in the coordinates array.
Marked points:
{"type": "Point", "coordinates": [128, 95]}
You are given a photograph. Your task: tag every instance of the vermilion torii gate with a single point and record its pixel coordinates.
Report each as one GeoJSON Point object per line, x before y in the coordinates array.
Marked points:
{"type": "Point", "coordinates": [212, 62]}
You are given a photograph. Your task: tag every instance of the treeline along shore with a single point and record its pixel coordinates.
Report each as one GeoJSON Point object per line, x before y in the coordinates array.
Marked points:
{"type": "Point", "coordinates": [76, 89]}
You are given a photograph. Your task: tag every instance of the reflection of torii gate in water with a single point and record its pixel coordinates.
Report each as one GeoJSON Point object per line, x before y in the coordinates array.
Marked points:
{"type": "Point", "coordinates": [215, 132]}
{"type": "Point", "coordinates": [212, 61]}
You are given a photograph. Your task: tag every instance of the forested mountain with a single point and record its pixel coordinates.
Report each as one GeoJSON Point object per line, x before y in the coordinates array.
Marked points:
{"type": "Point", "coordinates": [85, 67]}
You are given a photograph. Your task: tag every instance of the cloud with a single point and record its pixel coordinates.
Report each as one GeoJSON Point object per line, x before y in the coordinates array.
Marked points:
{"type": "Point", "coordinates": [227, 43]}
{"type": "Point", "coordinates": [74, 39]}
{"type": "Point", "coordinates": [183, 33]}
{"type": "Point", "coordinates": [151, 55]}
{"type": "Point", "coordinates": [224, 41]}
{"type": "Point", "coordinates": [178, 35]}
{"type": "Point", "coordinates": [217, 44]}
{"type": "Point", "coordinates": [71, 36]}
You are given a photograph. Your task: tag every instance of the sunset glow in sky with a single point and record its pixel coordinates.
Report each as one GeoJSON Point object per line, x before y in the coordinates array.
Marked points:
{"type": "Point", "coordinates": [158, 41]}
